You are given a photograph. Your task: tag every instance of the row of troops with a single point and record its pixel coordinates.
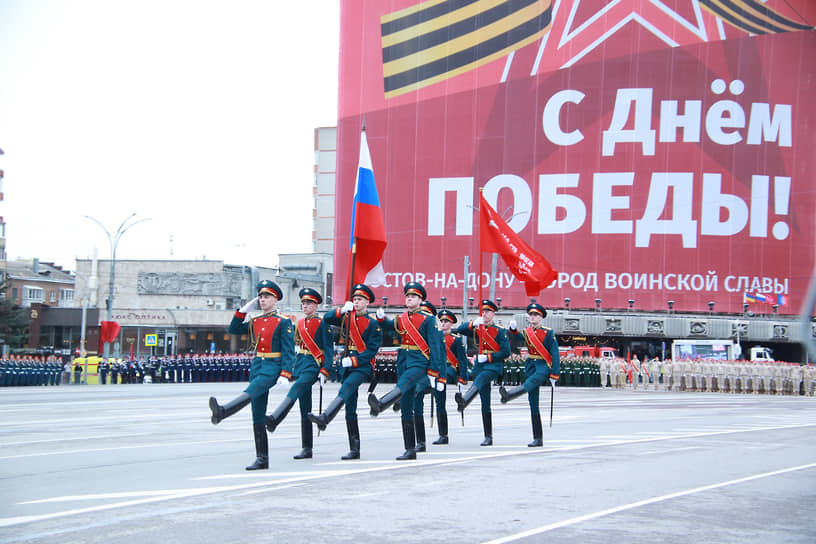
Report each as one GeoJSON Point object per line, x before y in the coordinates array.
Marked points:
{"type": "Point", "coordinates": [431, 355]}
{"type": "Point", "coordinates": [177, 369]}
{"type": "Point", "coordinates": [712, 376]}
{"type": "Point", "coordinates": [24, 370]}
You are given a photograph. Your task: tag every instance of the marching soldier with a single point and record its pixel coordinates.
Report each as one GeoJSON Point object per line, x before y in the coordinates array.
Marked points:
{"type": "Point", "coordinates": [493, 348]}
{"type": "Point", "coordinates": [455, 370]}
{"type": "Point", "coordinates": [419, 355]}
{"type": "Point", "coordinates": [313, 343]}
{"type": "Point", "coordinates": [543, 362]}
{"type": "Point", "coordinates": [362, 336]}
{"type": "Point", "coordinates": [272, 340]}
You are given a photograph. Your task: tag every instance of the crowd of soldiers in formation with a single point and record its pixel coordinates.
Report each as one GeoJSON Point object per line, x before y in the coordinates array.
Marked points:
{"type": "Point", "coordinates": [771, 378]}
{"type": "Point", "coordinates": [190, 368]}
{"type": "Point", "coordinates": [714, 376]}
{"type": "Point", "coordinates": [19, 370]}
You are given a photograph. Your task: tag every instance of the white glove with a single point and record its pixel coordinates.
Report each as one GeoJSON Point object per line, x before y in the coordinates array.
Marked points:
{"type": "Point", "coordinates": [440, 386]}
{"type": "Point", "coordinates": [322, 378]}
{"type": "Point", "coordinates": [347, 307]}
{"type": "Point", "coordinates": [461, 388]}
{"type": "Point", "coordinates": [481, 358]}
{"type": "Point", "coordinates": [380, 313]}
{"type": "Point", "coordinates": [248, 306]}
{"type": "Point", "coordinates": [478, 321]}
{"type": "Point", "coordinates": [346, 362]}
{"type": "Point", "coordinates": [513, 325]}
{"type": "Point", "coordinates": [282, 381]}
{"type": "Point", "coordinates": [552, 381]}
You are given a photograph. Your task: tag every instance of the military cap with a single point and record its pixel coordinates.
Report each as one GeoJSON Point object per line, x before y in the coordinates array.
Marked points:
{"type": "Point", "coordinates": [489, 305]}
{"type": "Point", "coordinates": [428, 306]}
{"type": "Point", "coordinates": [447, 315]}
{"type": "Point", "coordinates": [364, 291]}
{"type": "Point", "coordinates": [535, 308]}
{"type": "Point", "coordinates": [269, 286]}
{"type": "Point", "coordinates": [310, 295]}
{"type": "Point", "coordinates": [415, 288]}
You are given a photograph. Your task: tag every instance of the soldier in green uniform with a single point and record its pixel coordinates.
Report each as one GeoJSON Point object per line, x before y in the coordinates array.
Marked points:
{"type": "Point", "coordinates": [543, 362]}
{"type": "Point", "coordinates": [362, 336]}
{"type": "Point", "coordinates": [313, 344]}
{"type": "Point", "coordinates": [420, 355]}
{"type": "Point", "coordinates": [455, 370]}
{"type": "Point", "coordinates": [273, 343]}
{"type": "Point", "coordinates": [493, 348]}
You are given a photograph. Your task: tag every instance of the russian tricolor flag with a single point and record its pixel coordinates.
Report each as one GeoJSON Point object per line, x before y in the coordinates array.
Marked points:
{"type": "Point", "coordinates": [367, 227]}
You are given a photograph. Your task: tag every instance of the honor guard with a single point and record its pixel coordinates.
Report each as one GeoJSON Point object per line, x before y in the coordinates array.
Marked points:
{"type": "Point", "coordinates": [456, 369]}
{"type": "Point", "coordinates": [313, 344]}
{"type": "Point", "coordinates": [362, 337]}
{"type": "Point", "coordinates": [419, 355]}
{"type": "Point", "coordinates": [273, 342]}
{"type": "Point", "coordinates": [543, 362]}
{"type": "Point", "coordinates": [493, 348]}
{"type": "Point", "coordinates": [424, 385]}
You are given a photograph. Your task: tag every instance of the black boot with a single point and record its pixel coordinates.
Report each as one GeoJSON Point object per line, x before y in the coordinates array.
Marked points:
{"type": "Point", "coordinates": [221, 412]}
{"type": "Point", "coordinates": [462, 401]}
{"type": "Point", "coordinates": [261, 448]}
{"type": "Point", "coordinates": [487, 423]}
{"type": "Point", "coordinates": [408, 439]}
{"type": "Point", "coordinates": [378, 405]}
{"type": "Point", "coordinates": [397, 406]}
{"type": "Point", "coordinates": [325, 418]}
{"type": "Point", "coordinates": [419, 431]}
{"type": "Point", "coordinates": [273, 420]}
{"type": "Point", "coordinates": [507, 396]}
{"type": "Point", "coordinates": [305, 440]}
{"type": "Point", "coordinates": [354, 440]}
{"type": "Point", "coordinates": [537, 434]}
{"type": "Point", "coordinates": [443, 429]}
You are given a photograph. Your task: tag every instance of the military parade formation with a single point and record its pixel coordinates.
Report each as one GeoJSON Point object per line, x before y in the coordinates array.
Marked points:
{"type": "Point", "coordinates": [430, 358]}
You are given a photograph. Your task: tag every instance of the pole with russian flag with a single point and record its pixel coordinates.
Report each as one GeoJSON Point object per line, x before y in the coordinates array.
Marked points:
{"type": "Point", "coordinates": [367, 241]}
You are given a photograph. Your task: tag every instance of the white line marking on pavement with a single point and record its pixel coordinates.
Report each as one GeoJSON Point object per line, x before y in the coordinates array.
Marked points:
{"type": "Point", "coordinates": [638, 504]}
{"type": "Point", "coordinates": [163, 495]}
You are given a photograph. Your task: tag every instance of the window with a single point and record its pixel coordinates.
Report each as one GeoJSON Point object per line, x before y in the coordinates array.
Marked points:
{"type": "Point", "coordinates": [53, 296]}
{"type": "Point", "coordinates": [66, 295]}
{"type": "Point", "coordinates": [33, 294]}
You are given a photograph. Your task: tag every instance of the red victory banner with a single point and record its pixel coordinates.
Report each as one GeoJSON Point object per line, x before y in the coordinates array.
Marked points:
{"type": "Point", "coordinates": [496, 236]}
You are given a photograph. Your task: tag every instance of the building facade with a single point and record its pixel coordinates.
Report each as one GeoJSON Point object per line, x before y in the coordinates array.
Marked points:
{"type": "Point", "coordinates": [186, 306]}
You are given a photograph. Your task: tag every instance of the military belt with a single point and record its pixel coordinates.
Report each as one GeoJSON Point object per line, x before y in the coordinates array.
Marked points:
{"type": "Point", "coordinates": [409, 346]}
{"type": "Point", "coordinates": [271, 355]}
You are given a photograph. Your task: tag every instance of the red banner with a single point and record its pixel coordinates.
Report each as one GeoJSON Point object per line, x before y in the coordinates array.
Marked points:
{"type": "Point", "coordinates": [652, 151]}
{"type": "Point", "coordinates": [108, 331]}
{"type": "Point", "coordinates": [496, 236]}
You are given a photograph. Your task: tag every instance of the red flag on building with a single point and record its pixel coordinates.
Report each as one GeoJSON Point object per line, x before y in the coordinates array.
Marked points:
{"type": "Point", "coordinates": [496, 236]}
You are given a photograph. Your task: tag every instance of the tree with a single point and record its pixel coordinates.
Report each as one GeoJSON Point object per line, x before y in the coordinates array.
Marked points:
{"type": "Point", "coordinates": [14, 321]}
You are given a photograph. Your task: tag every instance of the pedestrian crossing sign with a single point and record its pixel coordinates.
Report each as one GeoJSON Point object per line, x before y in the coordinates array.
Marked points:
{"type": "Point", "coordinates": [151, 340]}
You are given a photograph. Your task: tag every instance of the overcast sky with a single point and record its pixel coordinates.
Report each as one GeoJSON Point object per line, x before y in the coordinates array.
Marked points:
{"type": "Point", "coordinates": [199, 115]}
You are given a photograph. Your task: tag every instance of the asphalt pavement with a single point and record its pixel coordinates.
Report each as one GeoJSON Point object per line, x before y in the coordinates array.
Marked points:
{"type": "Point", "coordinates": [143, 463]}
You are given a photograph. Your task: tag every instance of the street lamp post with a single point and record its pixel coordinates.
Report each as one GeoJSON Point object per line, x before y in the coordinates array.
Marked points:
{"type": "Point", "coordinates": [114, 241]}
